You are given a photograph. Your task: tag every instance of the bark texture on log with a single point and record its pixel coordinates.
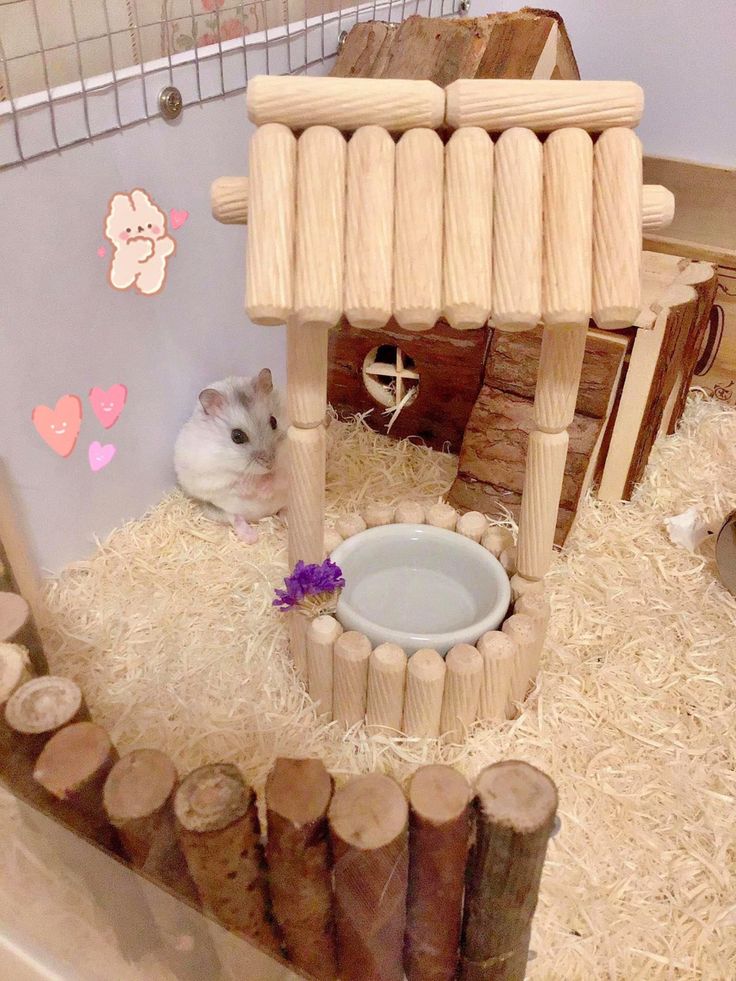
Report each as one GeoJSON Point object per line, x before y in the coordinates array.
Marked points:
{"type": "Point", "coordinates": [369, 834]}
{"type": "Point", "coordinates": [439, 837]}
{"type": "Point", "coordinates": [219, 832]}
{"type": "Point", "coordinates": [298, 793]}
{"type": "Point", "coordinates": [514, 809]}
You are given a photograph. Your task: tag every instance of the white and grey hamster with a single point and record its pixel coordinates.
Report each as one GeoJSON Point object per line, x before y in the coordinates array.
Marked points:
{"type": "Point", "coordinates": [231, 456]}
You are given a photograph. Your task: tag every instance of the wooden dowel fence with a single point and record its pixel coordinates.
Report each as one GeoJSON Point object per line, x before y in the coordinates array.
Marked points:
{"type": "Point", "coordinates": [386, 686]}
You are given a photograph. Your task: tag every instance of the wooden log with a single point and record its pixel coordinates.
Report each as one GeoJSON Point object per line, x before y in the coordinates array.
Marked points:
{"type": "Point", "coordinates": [349, 525]}
{"type": "Point", "coordinates": [14, 615]}
{"type": "Point", "coordinates": [269, 296]}
{"type": "Point", "coordinates": [137, 797]}
{"type": "Point", "coordinates": [307, 448]}
{"type": "Point", "coordinates": [657, 207]}
{"type": "Point", "coordinates": [376, 515]}
{"type": "Point", "coordinates": [517, 231]}
{"type": "Point", "coordinates": [14, 669]}
{"type": "Point", "coordinates": [298, 793]}
{"type": "Point", "coordinates": [617, 229]}
{"type": "Point", "coordinates": [526, 633]}
{"type": "Point", "coordinates": [322, 632]}
{"type": "Point", "coordinates": [320, 225]}
{"type": "Point", "coordinates": [460, 699]}
{"type": "Point", "coordinates": [298, 627]}
{"type": "Point", "coordinates": [386, 684]}
{"type": "Point", "coordinates": [472, 525]}
{"type": "Point", "coordinates": [515, 806]}
{"type": "Point", "coordinates": [229, 200]}
{"type": "Point", "coordinates": [347, 103]}
{"type": "Point", "coordinates": [442, 516]}
{"type": "Point", "coordinates": [409, 513]}
{"type": "Point", "coordinates": [501, 664]}
{"type": "Point", "coordinates": [535, 605]}
{"type": "Point", "coordinates": [306, 372]}
{"type": "Point", "coordinates": [72, 767]}
{"type": "Point", "coordinates": [439, 837]}
{"type": "Point", "coordinates": [542, 105]}
{"type": "Point", "coordinates": [425, 683]}
{"type": "Point", "coordinates": [418, 230]}
{"type": "Point", "coordinates": [42, 706]}
{"type": "Point", "coordinates": [369, 834]}
{"type": "Point", "coordinates": [568, 230]}
{"type": "Point", "coordinates": [468, 213]}
{"type": "Point", "coordinates": [369, 228]}
{"type": "Point", "coordinates": [522, 587]}
{"type": "Point", "coordinates": [545, 469]}
{"type": "Point", "coordinates": [350, 678]}
{"type": "Point", "coordinates": [496, 539]}
{"type": "Point", "coordinates": [219, 833]}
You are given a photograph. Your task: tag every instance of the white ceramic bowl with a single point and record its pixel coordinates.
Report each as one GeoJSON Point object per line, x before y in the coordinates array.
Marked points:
{"type": "Point", "coordinates": [419, 586]}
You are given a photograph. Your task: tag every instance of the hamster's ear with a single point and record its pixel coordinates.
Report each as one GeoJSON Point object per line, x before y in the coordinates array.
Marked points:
{"type": "Point", "coordinates": [212, 401]}
{"type": "Point", "coordinates": [264, 382]}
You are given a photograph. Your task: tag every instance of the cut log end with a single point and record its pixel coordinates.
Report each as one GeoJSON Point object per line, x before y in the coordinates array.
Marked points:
{"type": "Point", "coordinates": [14, 662]}
{"type": "Point", "coordinates": [71, 757]}
{"type": "Point", "coordinates": [369, 812]}
{"type": "Point", "coordinates": [43, 705]}
{"type": "Point", "coordinates": [14, 614]}
{"type": "Point", "coordinates": [299, 790]}
{"type": "Point", "coordinates": [211, 798]}
{"type": "Point", "coordinates": [438, 794]}
{"type": "Point", "coordinates": [516, 795]}
{"type": "Point", "coordinates": [139, 785]}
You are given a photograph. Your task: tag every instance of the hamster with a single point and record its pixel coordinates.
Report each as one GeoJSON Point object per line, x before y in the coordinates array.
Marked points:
{"type": "Point", "coordinates": [231, 456]}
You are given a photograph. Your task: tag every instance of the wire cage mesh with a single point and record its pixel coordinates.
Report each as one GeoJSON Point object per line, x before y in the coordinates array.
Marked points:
{"type": "Point", "coordinates": [72, 70]}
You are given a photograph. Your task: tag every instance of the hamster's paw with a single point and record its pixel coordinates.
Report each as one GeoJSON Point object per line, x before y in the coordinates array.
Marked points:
{"type": "Point", "coordinates": [244, 530]}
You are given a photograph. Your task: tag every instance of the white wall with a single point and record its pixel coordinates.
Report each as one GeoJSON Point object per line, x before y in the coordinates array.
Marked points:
{"type": "Point", "coordinates": [63, 329]}
{"type": "Point", "coordinates": [683, 54]}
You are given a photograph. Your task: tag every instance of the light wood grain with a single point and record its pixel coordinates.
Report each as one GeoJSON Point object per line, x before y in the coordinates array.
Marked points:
{"type": "Point", "coordinates": [386, 684]}
{"type": "Point", "coordinates": [542, 105]}
{"type": "Point", "coordinates": [229, 200]}
{"type": "Point", "coordinates": [558, 375]}
{"type": "Point", "coordinates": [442, 516]}
{"type": "Point", "coordinates": [517, 231]}
{"type": "Point", "coordinates": [306, 372]}
{"type": "Point", "coordinates": [526, 633]}
{"type": "Point", "coordinates": [463, 680]}
{"type": "Point", "coordinates": [425, 682]}
{"type": "Point", "coordinates": [307, 449]}
{"type": "Point", "coordinates": [320, 226]}
{"type": "Point", "coordinates": [350, 678]}
{"type": "Point", "coordinates": [468, 228]}
{"type": "Point", "coordinates": [409, 513]}
{"type": "Point", "coordinates": [269, 295]}
{"type": "Point", "coordinates": [418, 230]}
{"type": "Point", "coordinates": [617, 228]}
{"type": "Point", "coordinates": [657, 207]}
{"type": "Point", "coordinates": [347, 103]}
{"type": "Point", "coordinates": [472, 525]}
{"type": "Point", "coordinates": [545, 468]}
{"type": "Point", "coordinates": [500, 655]}
{"type": "Point", "coordinates": [369, 228]}
{"type": "Point", "coordinates": [322, 632]}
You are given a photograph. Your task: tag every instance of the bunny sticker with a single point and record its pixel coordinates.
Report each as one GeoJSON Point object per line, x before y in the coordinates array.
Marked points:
{"type": "Point", "coordinates": [136, 228]}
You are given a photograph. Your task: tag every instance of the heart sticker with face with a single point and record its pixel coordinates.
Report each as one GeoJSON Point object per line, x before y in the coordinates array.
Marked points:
{"type": "Point", "coordinates": [59, 427]}
{"type": "Point", "coordinates": [107, 405]}
{"type": "Point", "coordinates": [99, 456]}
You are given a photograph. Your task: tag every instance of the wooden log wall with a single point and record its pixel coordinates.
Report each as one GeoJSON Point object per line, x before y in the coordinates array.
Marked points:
{"type": "Point", "coordinates": [347, 884]}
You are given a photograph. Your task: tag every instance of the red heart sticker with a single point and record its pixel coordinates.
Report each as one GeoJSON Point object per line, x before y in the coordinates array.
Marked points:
{"type": "Point", "coordinates": [59, 427]}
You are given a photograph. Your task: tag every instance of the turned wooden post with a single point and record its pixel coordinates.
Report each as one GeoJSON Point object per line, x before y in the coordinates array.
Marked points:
{"type": "Point", "coordinates": [501, 665]}
{"type": "Point", "coordinates": [369, 834]}
{"type": "Point", "coordinates": [322, 632]}
{"type": "Point", "coordinates": [350, 678]}
{"type": "Point", "coordinates": [298, 793]}
{"type": "Point", "coordinates": [425, 685]}
{"type": "Point", "coordinates": [463, 679]}
{"type": "Point", "coordinates": [439, 837]}
{"type": "Point", "coordinates": [219, 832]}
{"type": "Point", "coordinates": [386, 684]}
{"type": "Point", "coordinates": [514, 808]}
{"type": "Point", "coordinates": [566, 301]}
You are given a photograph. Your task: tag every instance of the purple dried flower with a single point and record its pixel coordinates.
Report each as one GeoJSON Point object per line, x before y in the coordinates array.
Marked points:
{"type": "Point", "coordinates": [322, 581]}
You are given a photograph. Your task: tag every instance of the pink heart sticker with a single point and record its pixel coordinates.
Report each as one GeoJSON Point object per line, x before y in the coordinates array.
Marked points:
{"type": "Point", "coordinates": [102, 252]}
{"type": "Point", "coordinates": [107, 405]}
{"type": "Point", "coordinates": [178, 218]}
{"type": "Point", "coordinates": [99, 455]}
{"type": "Point", "coordinates": [59, 427]}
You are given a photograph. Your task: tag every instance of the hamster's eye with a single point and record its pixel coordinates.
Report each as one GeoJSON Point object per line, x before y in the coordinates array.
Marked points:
{"type": "Point", "coordinates": [238, 436]}
{"type": "Point", "coordinates": [273, 421]}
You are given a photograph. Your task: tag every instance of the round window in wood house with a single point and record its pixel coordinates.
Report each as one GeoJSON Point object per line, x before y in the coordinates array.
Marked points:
{"type": "Point", "coordinates": [390, 376]}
